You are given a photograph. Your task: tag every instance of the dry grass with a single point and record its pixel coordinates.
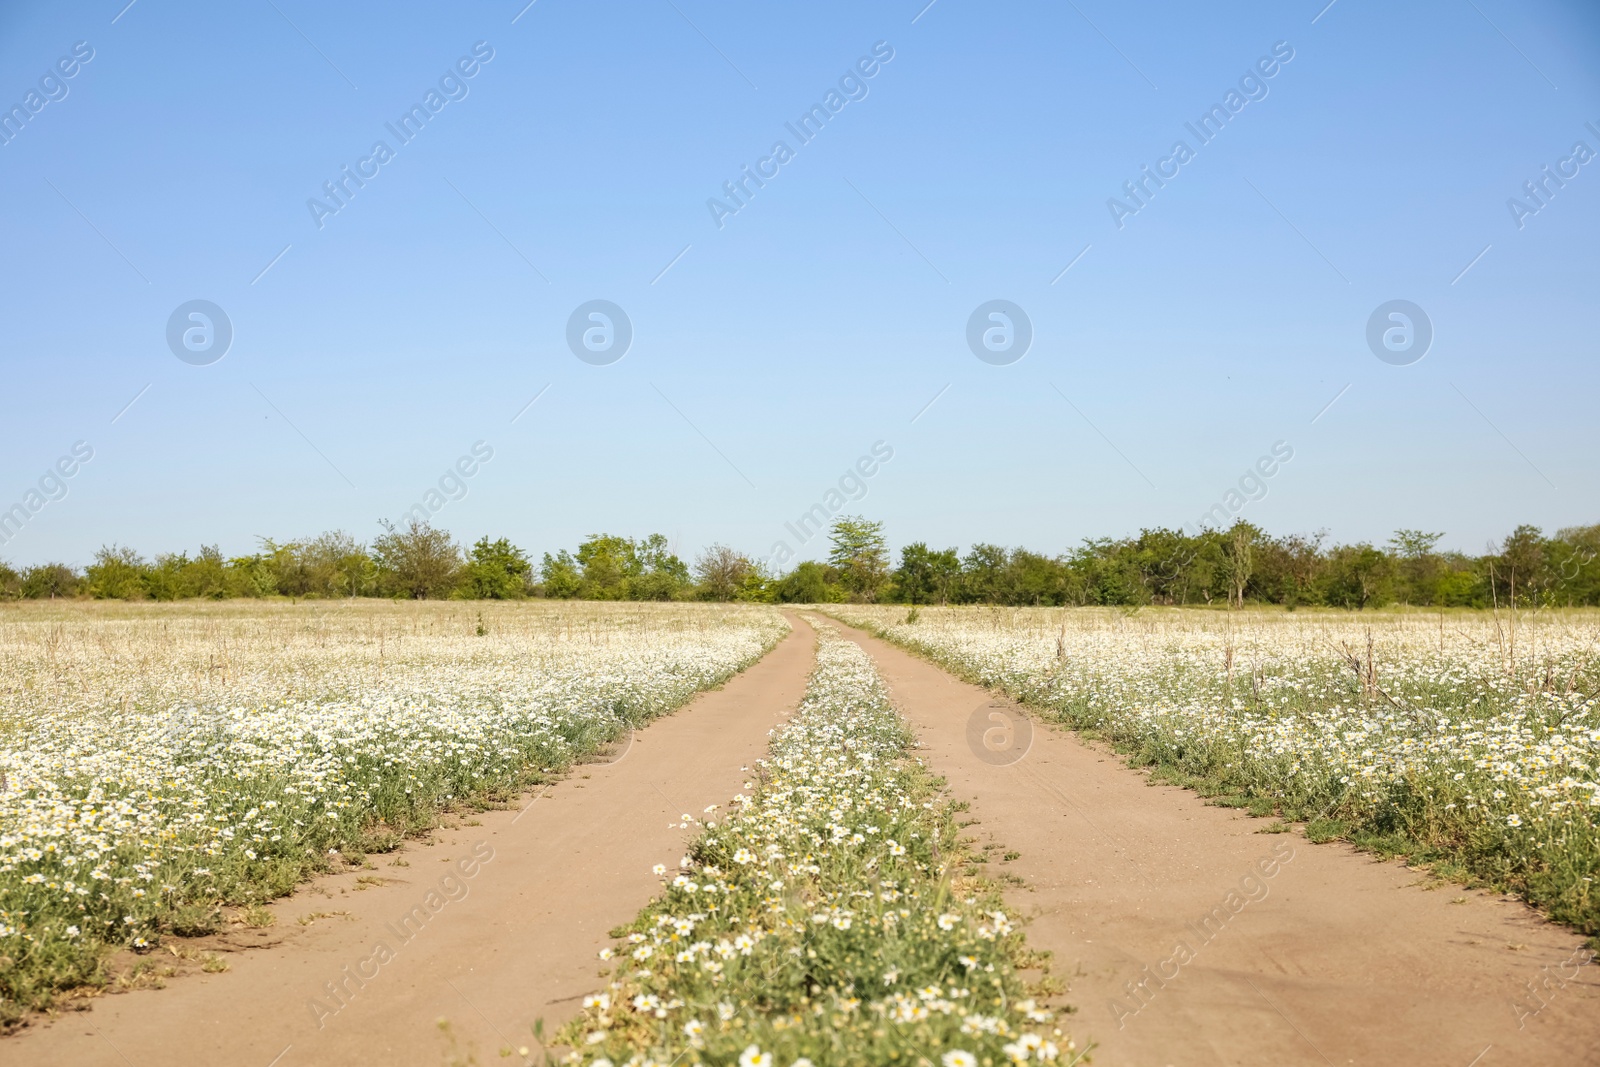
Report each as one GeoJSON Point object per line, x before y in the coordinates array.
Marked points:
{"type": "Point", "coordinates": [82, 654]}
{"type": "Point", "coordinates": [162, 762]}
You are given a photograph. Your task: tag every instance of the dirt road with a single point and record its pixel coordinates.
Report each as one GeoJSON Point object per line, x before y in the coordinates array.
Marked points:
{"type": "Point", "coordinates": [1261, 949]}
{"type": "Point", "coordinates": [488, 926]}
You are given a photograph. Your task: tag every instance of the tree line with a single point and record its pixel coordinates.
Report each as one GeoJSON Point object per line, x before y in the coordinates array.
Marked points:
{"type": "Point", "coordinates": [1235, 566]}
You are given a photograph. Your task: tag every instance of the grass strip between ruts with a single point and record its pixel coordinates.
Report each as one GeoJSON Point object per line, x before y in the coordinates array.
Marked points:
{"type": "Point", "coordinates": [834, 916]}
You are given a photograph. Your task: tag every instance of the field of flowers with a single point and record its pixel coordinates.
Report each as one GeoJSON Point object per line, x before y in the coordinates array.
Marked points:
{"type": "Point", "coordinates": [159, 762]}
{"type": "Point", "coordinates": [1469, 740]}
{"type": "Point", "coordinates": [828, 917]}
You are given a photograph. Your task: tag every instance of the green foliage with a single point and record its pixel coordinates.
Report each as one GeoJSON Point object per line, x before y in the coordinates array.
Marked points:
{"type": "Point", "coordinates": [983, 577]}
{"type": "Point", "coordinates": [1160, 566]}
{"type": "Point", "coordinates": [609, 567]}
{"type": "Point", "coordinates": [861, 556]}
{"type": "Point", "coordinates": [332, 565]}
{"type": "Point", "coordinates": [1359, 576]}
{"type": "Point", "coordinates": [1238, 555]}
{"type": "Point", "coordinates": [811, 583]}
{"type": "Point", "coordinates": [497, 570]}
{"type": "Point", "coordinates": [756, 587]}
{"type": "Point", "coordinates": [116, 574]}
{"type": "Point", "coordinates": [560, 576]}
{"type": "Point", "coordinates": [724, 574]}
{"type": "Point", "coordinates": [44, 582]}
{"type": "Point", "coordinates": [925, 576]}
{"type": "Point", "coordinates": [417, 563]}
{"type": "Point", "coordinates": [1243, 564]}
{"type": "Point", "coordinates": [608, 562]}
{"type": "Point", "coordinates": [720, 571]}
{"type": "Point", "coordinates": [177, 577]}
{"type": "Point", "coordinates": [660, 574]}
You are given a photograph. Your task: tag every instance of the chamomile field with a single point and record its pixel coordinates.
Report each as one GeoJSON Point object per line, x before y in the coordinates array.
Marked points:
{"type": "Point", "coordinates": [159, 763]}
{"type": "Point", "coordinates": [1468, 739]}
{"type": "Point", "coordinates": [167, 768]}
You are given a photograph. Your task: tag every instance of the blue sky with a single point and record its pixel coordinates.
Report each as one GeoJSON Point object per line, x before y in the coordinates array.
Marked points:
{"type": "Point", "coordinates": [374, 346]}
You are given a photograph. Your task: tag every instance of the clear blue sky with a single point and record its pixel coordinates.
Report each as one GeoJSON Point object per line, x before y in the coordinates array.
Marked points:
{"type": "Point", "coordinates": [828, 311]}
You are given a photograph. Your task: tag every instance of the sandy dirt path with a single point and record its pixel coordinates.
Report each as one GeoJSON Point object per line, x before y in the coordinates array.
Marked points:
{"type": "Point", "coordinates": [1296, 953]}
{"type": "Point", "coordinates": [489, 926]}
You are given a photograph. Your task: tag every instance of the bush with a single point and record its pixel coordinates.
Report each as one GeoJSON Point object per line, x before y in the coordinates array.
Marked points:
{"type": "Point", "coordinates": [49, 581]}
{"type": "Point", "coordinates": [419, 563]}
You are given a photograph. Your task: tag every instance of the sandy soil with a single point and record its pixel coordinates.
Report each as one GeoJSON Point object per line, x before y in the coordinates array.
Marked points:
{"type": "Point", "coordinates": [1262, 949]}
{"type": "Point", "coordinates": [489, 926]}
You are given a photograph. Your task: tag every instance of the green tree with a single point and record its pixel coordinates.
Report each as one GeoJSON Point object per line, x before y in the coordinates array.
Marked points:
{"type": "Point", "coordinates": [608, 562]}
{"type": "Point", "coordinates": [1359, 576]}
{"type": "Point", "coordinates": [1165, 561]}
{"type": "Point", "coordinates": [335, 564]}
{"type": "Point", "coordinates": [811, 583]}
{"type": "Point", "coordinates": [1303, 565]}
{"type": "Point", "coordinates": [925, 576]}
{"type": "Point", "coordinates": [721, 572]}
{"type": "Point", "coordinates": [208, 574]}
{"type": "Point", "coordinates": [620, 568]}
{"type": "Point", "coordinates": [560, 576]}
{"type": "Point", "coordinates": [164, 580]}
{"type": "Point", "coordinates": [860, 555]}
{"type": "Point", "coordinates": [47, 581]}
{"type": "Point", "coordinates": [418, 562]}
{"type": "Point", "coordinates": [175, 576]}
{"type": "Point", "coordinates": [1573, 555]}
{"type": "Point", "coordinates": [1036, 580]}
{"type": "Point", "coordinates": [659, 574]}
{"type": "Point", "coordinates": [496, 570]}
{"type": "Point", "coordinates": [983, 574]}
{"type": "Point", "coordinates": [249, 576]}
{"type": "Point", "coordinates": [1521, 572]}
{"type": "Point", "coordinates": [1462, 583]}
{"type": "Point", "coordinates": [945, 568]}
{"type": "Point", "coordinates": [117, 573]}
{"type": "Point", "coordinates": [1417, 565]}
{"type": "Point", "coordinates": [756, 586]}
{"type": "Point", "coordinates": [1107, 570]}
{"type": "Point", "coordinates": [283, 568]}
{"type": "Point", "coordinates": [1238, 550]}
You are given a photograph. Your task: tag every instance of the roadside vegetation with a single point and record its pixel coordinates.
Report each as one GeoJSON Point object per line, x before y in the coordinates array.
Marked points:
{"type": "Point", "coordinates": [831, 916]}
{"type": "Point", "coordinates": [157, 768]}
{"type": "Point", "coordinates": [1470, 742]}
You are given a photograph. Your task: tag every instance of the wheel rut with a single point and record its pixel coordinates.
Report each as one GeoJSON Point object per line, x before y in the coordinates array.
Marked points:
{"type": "Point", "coordinates": [1189, 937]}
{"type": "Point", "coordinates": [489, 926]}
